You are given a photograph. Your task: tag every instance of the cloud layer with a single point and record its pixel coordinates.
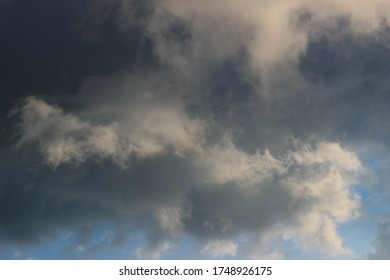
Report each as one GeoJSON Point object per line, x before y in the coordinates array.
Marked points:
{"type": "Point", "coordinates": [238, 125]}
{"type": "Point", "coordinates": [305, 193]}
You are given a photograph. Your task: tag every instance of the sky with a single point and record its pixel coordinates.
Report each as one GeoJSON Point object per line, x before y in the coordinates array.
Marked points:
{"type": "Point", "coordinates": [178, 129]}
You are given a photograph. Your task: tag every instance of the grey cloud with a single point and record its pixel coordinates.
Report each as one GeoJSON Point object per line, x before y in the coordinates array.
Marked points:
{"type": "Point", "coordinates": [227, 120]}
{"type": "Point", "coordinates": [381, 243]}
{"type": "Point", "coordinates": [49, 47]}
{"type": "Point", "coordinates": [38, 202]}
{"type": "Point", "coordinates": [220, 174]}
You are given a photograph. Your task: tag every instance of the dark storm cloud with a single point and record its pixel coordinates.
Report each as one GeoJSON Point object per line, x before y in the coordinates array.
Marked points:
{"type": "Point", "coordinates": [36, 201]}
{"type": "Point", "coordinates": [49, 47]}
{"type": "Point", "coordinates": [172, 117]}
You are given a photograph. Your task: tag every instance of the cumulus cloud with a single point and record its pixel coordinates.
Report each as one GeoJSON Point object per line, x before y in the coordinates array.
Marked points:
{"type": "Point", "coordinates": [274, 34]}
{"type": "Point", "coordinates": [65, 138]}
{"type": "Point", "coordinates": [143, 252]}
{"type": "Point", "coordinates": [316, 180]}
{"type": "Point", "coordinates": [219, 249]}
{"type": "Point", "coordinates": [326, 181]}
{"type": "Point", "coordinates": [305, 200]}
{"type": "Point", "coordinates": [225, 163]}
{"type": "Point", "coordinates": [171, 218]}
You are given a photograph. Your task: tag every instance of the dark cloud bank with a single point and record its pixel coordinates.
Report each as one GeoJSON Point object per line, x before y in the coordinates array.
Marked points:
{"type": "Point", "coordinates": [234, 124]}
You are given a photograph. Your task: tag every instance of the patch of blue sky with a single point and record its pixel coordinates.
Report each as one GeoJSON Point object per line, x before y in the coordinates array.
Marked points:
{"type": "Point", "coordinates": [101, 242]}
{"type": "Point", "coordinates": [183, 247]}
{"type": "Point", "coordinates": [359, 233]}
{"type": "Point", "coordinates": [47, 249]}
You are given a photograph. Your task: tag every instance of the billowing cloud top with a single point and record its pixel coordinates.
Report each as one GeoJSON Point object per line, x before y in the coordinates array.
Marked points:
{"type": "Point", "coordinates": [241, 129]}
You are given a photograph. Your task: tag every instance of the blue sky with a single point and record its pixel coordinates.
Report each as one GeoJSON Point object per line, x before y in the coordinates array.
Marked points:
{"type": "Point", "coordinates": [194, 129]}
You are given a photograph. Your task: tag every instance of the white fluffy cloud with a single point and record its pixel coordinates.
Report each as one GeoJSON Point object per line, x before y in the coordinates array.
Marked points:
{"type": "Point", "coordinates": [64, 137]}
{"type": "Point", "coordinates": [274, 33]}
{"type": "Point", "coordinates": [225, 163]}
{"type": "Point", "coordinates": [143, 252]}
{"type": "Point", "coordinates": [219, 249]}
{"type": "Point", "coordinates": [171, 218]}
{"type": "Point", "coordinates": [321, 180]}
{"type": "Point", "coordinates": [328, 153]}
